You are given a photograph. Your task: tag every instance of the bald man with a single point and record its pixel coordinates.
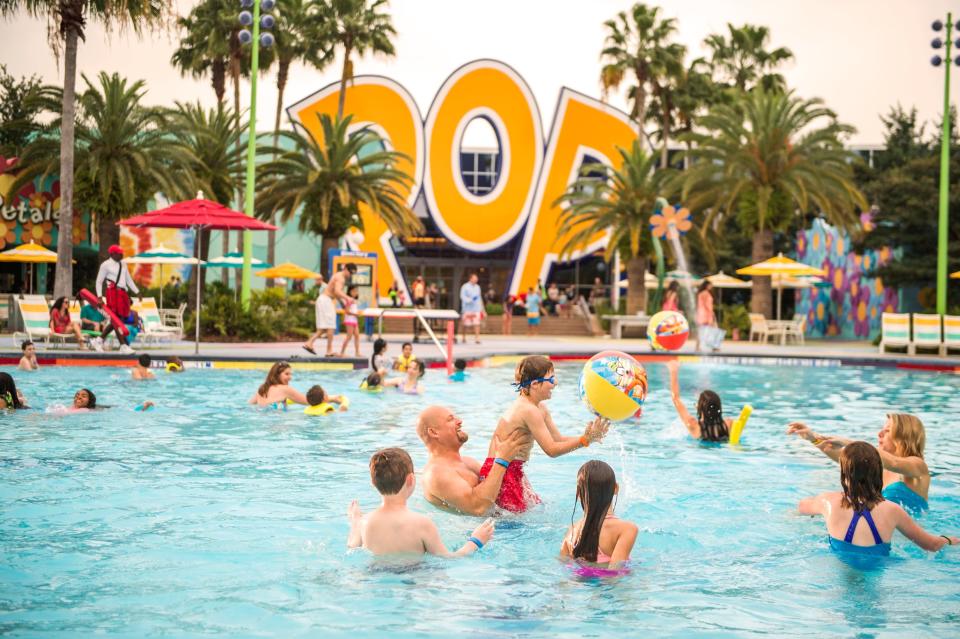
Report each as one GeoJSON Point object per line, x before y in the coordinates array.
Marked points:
{"type": "Point", "coordinates": [451, 481]}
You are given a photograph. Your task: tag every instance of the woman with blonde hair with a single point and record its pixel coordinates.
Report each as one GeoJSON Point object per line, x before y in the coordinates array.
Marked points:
{"type": "Point", "coordinates": [275, 391]}
{"type": "Point", "coordinates": [906, 478]}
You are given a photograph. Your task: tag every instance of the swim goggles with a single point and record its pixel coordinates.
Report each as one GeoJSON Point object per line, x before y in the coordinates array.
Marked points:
{"type": "Point", "coordinates": [519, 385]}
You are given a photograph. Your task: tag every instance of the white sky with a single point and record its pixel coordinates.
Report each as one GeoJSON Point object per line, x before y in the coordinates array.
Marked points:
{"type": "Point", "coordinates": [861, 56]}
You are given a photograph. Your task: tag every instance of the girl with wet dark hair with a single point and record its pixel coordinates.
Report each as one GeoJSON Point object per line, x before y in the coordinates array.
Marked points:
{"type": "Point", "coordinates": [599, 537]}
{"type": "Point", "coordinates": [709, 425]}
{"type": "Point", "coordinates": [378, 361]}
{"type": "Point", "coordinates": [10, 397]}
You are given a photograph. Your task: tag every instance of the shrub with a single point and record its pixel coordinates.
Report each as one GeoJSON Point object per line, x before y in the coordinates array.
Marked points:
{"type": "Point", "coordinates": [735, 316]}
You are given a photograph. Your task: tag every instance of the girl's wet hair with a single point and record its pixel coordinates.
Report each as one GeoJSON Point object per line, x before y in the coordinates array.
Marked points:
{"type": "Point", "coordinates": [861, 476]}
{"type": "Point", "coordinates": [373, 380]}
{"type": "Point", "coordinates": [596, 486]}
{"type": "Point", "coordinates": [273, 378]}
{"type": "Point", "coordinates": [379, 345]}
{"type": "Point", "coordinates": [908, 434]}
{"type": "Point", "coordinates": [8, 391]}
{"type": "Point", "coordinates": [529, 370]}
{"type": "Point", "coordinates": [710, 418]}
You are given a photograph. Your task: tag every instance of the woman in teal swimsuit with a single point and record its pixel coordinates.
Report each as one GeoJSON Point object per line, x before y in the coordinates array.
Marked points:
{"type": "Point", "coordinates": [906, 478]}
{"type": "Point", "coordinates": [276, 391]}
{"type": "Point", "coordinates": [859, 520]}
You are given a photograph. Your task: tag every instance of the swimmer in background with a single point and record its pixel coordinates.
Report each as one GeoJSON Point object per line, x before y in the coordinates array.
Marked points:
{"type": "Point", "coordinates": [460, 372]}
{"type": "Point", "coordinates": [276, 389]}
{"type": "Point", "coordinates": [317, 396]}
{"type": "Point", "coordinates": [372, 383]}
{"type": "Point", "coordinates": [379, 361]}
{"type": "Point", "coordinates": [410, 383]}
{"type": "Point", "coordinates": [536, 379]}
{"type": "Point", "coordinates": [406, 358]}
{"type": "Point", "coordinates": [394, 529]}
{"type": "Point", "coordinates": [142, 369]}
{"type": "Point", "coordinates": [599, 537]}
{"type": "Point", "coordinates": [10, 397]}
{"type": "Point", "coordinates": [906, 478]}
{"type": "Point", "coordinates": [709, 425]}
{"type": "Point", "coordinates": [29, 360]}
{"type": "Point", "coordinates": [861, 479]}
{"type": "Point", "coordinates": [174, 364]}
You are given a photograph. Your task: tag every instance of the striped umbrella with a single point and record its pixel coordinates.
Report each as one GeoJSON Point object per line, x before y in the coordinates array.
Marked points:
{"type": "Point", "coordinates": [235, 260]}
{"type": "Point", "coordinates": [29, 253]}
{"type": "Point", "coordinates": [782, 266]}
{"type": "Point", "coordinates": [162, 255]}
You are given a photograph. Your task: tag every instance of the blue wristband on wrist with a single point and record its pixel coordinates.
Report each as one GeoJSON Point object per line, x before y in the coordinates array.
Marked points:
{"type": "Point", "coordinates": [476, 541]}
{"type": "Point", "coordinates": [503, 462]}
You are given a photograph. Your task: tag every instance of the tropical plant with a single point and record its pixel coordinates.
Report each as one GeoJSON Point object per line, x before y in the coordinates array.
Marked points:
{"type": "Point", "coordinates": [764, 158]}
{"type": "Point", "coordinates": [620, 201]}
{"type": "Point", "coordinates": [124, 154]}
{"type": "Point", "coordinates": [356, 27]}
{"type": "Point", "coordinates": [218, 160]}
{"type": "Point", "coordinates": [298, 39]}
{"type": "Point", "coordinates": [19, 110]}
{"type": "Point", "coordinates": [742, 61]}
{"type": "Point", "coordinates": [638, 43]}
{"type": "Point", "coordinates": [329, 179]}
{"type": "Point", "coordinates": [66, 21]}
{"type": "Point", "coordinates": [200, 50]}
{"type": "Point", "coordinates": [679, 102]}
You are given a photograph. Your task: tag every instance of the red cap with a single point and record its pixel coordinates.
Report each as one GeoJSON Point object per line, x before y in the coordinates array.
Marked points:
{"type": "Point", "coordinates": [115, 249]}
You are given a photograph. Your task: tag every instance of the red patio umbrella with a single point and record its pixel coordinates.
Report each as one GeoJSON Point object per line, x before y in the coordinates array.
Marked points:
{"type": "Point", "coordinates": [198, 214]}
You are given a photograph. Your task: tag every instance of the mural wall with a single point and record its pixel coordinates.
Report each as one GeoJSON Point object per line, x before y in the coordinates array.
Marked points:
{"type": "Point", "coordinates": [851, 304]}
{"type": "Point", "coordinates": [33, 214]}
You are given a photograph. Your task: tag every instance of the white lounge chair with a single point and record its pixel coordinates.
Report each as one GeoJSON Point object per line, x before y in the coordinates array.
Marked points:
{"type": "Point", "coordinates": [153, 328]}
{"type": "Point", "coordinates": [927, 332]}
{"type": "Point", "coordinates": [36, 323]}
{"type": "Point", "coordinates": [795, 329]}
{"type": "Point", "coordinates": [951, 334]}
{"type": "Point", "coordinates": [759, 327]}
{"type": "Point", "coordinates": [895, 331]}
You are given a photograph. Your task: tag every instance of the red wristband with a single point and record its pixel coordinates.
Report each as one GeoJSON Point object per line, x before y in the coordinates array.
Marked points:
{"type": "Point", "coordinates": [584, 441]}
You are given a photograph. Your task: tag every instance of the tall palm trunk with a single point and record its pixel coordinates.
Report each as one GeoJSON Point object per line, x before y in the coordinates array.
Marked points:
{"type": "Point", "coordinates": [109, 234]}
{"type": "Point", "coordinates": [665, 126]}
{"type": "Point", "coordinates": [63, 282]}
{"type": "Point", "coordinates": [326, 244]}
{"type": "Point", "coordinates": [344, 76]}
{"type": "Point", "coordinates": [218, 78]}
{"type": "Point", "coordinates": [762, 250]}
{"type": "Point", "coordinates": [282, 72]}
{"type": "Point", "coordinates": [192, 281]}
{"type": "Point", "coordinates": [636, 288]}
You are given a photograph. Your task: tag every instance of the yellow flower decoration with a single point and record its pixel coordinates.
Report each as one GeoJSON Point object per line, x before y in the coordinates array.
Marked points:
{"type": "Point", "coordinates": [670, 222]}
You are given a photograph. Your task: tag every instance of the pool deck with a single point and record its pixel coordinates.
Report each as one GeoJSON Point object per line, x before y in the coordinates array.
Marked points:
{"type": "Point", "coordinates": [494, 350]}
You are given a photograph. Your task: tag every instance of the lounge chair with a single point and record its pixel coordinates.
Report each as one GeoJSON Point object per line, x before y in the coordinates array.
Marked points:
{"type": "Point", "coordinates": [951, 334]}
{"type": "Point", "coordinates": [895, 331]}
{"type": "Point", "coordinates": [927, 332]}
{"type": "Point", "coordinates": [795, 329]}
{"type": "Point", "coordinates": [759, 327]}
{"type": "Point", "coordinates": [173, 317]}
{"type": "Point", "coordinates": [153, 328]}
{"type": "Point", "coordinates": [36, 323]}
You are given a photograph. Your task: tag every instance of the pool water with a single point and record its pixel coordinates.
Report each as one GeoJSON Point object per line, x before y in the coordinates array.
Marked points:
{"type": "Point", "coordinates": [209, 517]}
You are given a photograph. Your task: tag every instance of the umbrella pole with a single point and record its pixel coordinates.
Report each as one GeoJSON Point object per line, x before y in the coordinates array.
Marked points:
{"type": "Point", "coordinates": [161, 286]}
{"type": "Point", "coordinates": [779, 299]}
{"type": "Point", "coordinates": [196, 250]}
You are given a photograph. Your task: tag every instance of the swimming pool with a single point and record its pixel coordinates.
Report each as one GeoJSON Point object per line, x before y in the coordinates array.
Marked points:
{"type": "Point", "coordinates": [208, 517]}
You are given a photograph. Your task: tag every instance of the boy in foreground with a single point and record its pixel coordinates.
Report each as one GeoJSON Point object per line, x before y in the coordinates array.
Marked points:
{"type": "Point", "coordinates": [394, 529]}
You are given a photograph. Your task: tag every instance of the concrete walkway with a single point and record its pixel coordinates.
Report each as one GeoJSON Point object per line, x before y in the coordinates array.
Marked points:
{"type": "Point", "coordinates": [830, 351]}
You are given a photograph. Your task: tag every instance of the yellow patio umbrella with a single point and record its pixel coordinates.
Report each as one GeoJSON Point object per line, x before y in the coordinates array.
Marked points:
{"type": "Point", "coordinates": [29, 253]}
{"type": "Point", "coordinates": [288, 270]}
{"type": "Point", "coordinates": [956, 275]}
{"type": "Point", "coordinates": [781, 266]}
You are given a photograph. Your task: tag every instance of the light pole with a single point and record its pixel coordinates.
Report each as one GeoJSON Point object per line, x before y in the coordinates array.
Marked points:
{"type": "Point", "coordinates": [944, 216]}
{"type": "Point", "coordinates": [256, 39]}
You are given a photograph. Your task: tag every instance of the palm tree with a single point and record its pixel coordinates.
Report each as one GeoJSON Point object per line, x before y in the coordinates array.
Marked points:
{"type": "Point", "coordinates": [199, 54]}
{"type": "Point", "coordinates": [330, 179]}
{"type": "Point", "coordinates": [743, 61]}
{"type": "Point", "coordinates": [356, 26]}
{"type": "Point", "coordinates": [638, 43]}
{"type": "Point", "coordinates": [123, 157]}
{"type": "Point", "coordinates": [766, 157]}
{"type": "Point", "coordinates": [218, 162]}
{"type": "Point", "coordinates": [67, 19]}
{"type": "Point", "coordinates": [298, 38]}
{"type": "Point", "coordinates": [620, 202]}
{"type": "Point", "coordinates": [666, 95]}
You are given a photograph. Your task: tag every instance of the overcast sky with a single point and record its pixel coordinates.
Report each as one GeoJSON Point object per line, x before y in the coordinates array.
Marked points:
{"type": "Point", "coordinates": [861, 56]}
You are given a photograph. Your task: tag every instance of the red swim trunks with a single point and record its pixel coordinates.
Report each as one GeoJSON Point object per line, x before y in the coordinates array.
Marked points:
{"type": "Point", "coordinates": [516, 495]}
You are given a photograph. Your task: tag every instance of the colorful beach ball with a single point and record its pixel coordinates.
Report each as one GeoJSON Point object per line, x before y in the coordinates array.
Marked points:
{"type": "Point", "coordinates": [613, 385]}
{"type": "Point", "coordinates": [668, 331]}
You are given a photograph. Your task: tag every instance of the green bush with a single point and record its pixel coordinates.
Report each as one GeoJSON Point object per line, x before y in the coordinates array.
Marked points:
{"type": "Point", "coordinates": [494, 309]}
{"type": "Point", "coordinates": [735, 316]}
{"type": "Point", "coordinates": [173, 296]}
{"type": "Point", "coordinates": [272, 315]}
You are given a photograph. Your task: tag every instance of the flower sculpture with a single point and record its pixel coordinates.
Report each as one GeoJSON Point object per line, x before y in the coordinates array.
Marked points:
{"type": "Point", "coordinates": [670, 222]}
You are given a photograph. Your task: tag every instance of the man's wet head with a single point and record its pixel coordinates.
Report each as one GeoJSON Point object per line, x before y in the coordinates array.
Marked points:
{"type": "Point", "coordinates": [439, 428]}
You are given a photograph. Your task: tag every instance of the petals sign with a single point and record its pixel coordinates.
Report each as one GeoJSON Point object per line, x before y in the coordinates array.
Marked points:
{"type": "Point", "coordinates": [670, 218]}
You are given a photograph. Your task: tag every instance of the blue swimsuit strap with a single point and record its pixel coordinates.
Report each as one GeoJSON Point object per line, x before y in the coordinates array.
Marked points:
{"type": "Point", "coordinates": [853, 526]}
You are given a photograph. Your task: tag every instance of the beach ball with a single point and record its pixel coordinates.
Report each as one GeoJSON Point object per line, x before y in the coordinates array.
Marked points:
{"type": "Point", "coordinates": [613, 385]}
{"type": "Point", "coordinates": [668, 331]}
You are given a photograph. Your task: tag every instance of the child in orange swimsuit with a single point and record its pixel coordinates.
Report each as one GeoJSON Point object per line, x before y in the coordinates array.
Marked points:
{"type": "Point", "coordinates": [536, 380]}
{"type": "Point", "coordinates": [599, 537]}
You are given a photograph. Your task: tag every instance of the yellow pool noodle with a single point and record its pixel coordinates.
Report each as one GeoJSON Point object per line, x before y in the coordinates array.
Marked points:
{"type": "Point", "coordinates": [736, 429]}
